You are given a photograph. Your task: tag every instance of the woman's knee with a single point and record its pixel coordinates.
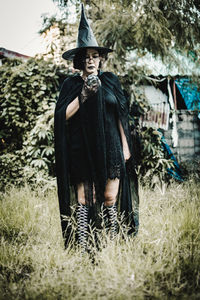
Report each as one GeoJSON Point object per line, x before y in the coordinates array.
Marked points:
{"type": "Point", "coordinates": [111, 192]}
{"type": "Point", "coordinates": [110, 198]}
{"type": "Point", "coordinates": [81, 194]}
{"type": "Point", "coordinates": [82, 201]}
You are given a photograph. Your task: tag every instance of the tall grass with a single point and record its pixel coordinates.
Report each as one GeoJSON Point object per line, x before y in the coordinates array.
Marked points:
{"type": "Point", "coordinates": [161, 262]}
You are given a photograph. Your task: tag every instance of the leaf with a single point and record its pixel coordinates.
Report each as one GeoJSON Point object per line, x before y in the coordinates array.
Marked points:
{"type": "Point", "coordinates": [48, 151]}
{"type": "Point", "coordinates": [42, 134]}
{"type": "Point", "coordinates": [38, 163]}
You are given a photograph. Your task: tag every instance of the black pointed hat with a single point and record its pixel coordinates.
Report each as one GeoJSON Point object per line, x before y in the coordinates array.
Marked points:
{"type": "Point", "coordinates": [86, 39]}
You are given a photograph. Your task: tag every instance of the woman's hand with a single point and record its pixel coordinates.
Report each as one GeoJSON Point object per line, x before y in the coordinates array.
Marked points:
{"type": "Point", "coordinates": [90, 86]}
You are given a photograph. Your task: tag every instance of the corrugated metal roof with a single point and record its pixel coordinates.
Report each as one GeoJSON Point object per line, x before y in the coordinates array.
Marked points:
{"type": "Point", "coordinates": [12, 54]}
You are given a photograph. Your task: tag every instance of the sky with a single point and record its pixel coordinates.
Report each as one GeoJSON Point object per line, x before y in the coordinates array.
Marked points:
{"type": "Point", "coordinates": [20, 21]}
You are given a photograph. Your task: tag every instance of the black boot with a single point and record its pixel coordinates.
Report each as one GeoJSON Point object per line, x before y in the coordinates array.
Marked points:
{"type": "Point", "coordinates": [111, 215]}
{"type": "Point", "coordinates": [82, 226]}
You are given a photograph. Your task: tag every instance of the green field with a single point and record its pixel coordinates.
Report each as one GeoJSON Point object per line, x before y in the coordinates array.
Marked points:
{"type": "Point", "coordinates": [162, 262]}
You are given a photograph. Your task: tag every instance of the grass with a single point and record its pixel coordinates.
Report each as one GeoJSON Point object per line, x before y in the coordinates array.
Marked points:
{"type": "Point", "coordinates": [162, 262]}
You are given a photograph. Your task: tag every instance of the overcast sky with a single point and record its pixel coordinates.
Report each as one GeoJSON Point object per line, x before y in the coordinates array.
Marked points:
{"type": "Point", "coordinates": [20, 20]}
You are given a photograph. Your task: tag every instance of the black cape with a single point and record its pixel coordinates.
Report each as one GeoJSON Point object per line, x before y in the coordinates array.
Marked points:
{"type": "Point", "coordinates": [128, 200]}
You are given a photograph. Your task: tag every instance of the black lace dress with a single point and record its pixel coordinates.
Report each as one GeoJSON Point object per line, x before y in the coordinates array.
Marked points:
{"type": "Point", "coordinates": [79, 161]}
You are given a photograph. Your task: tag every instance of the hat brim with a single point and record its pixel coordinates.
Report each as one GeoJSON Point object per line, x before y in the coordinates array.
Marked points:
{"type": "Point", "coordinates": [69, 55]}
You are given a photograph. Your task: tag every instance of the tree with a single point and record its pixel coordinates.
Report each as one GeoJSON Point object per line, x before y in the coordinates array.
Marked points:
{"type": "Point", "coordinates": [153, 26]}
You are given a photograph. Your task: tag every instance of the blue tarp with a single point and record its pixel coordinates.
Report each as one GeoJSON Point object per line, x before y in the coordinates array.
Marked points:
{"type": "Point", "coordinates": [190, 93]}
{"type": "Point", "coordinates": [176, 172]}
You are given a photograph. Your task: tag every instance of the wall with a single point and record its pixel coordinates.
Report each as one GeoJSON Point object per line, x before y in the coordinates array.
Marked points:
{"type": "Point", "coordinates": [188, 126]}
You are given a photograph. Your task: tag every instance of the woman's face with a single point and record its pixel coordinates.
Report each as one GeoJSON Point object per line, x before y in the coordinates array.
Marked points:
{"type": "Point", "coordinates": [92, 61]}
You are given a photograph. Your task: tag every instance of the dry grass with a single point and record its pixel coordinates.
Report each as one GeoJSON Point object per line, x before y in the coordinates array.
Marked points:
{"type": "Point", "coordinates": [162, 262]}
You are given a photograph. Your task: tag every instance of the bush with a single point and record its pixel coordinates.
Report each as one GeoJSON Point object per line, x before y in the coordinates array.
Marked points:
{"type": "Point", "coordinates": [11, 165]}
{"type": "Point", "coordinates": [39, 144]}
{"type": "Point", "coordinates": [26, 89]}
{"type": "Point", "coordinates": [154, 163]}
{"type": "Point", "coordinates": [27, 100]}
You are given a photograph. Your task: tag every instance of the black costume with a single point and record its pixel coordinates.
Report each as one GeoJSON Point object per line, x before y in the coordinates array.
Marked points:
{"type": "Point", "coordinates": [88, 149]}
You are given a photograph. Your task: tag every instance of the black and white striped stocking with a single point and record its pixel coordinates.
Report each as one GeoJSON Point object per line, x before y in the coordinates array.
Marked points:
{"type": "Point", "coordinates": [82, 226]}
{"type": "Point", "coordinates": [112, 220]}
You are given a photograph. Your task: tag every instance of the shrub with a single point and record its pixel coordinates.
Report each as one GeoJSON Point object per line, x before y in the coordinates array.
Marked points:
{"type": "Point", "coordinates": [27, 99]}
{"type": "Point", "coordinates": [26, 89]}
{"type": "Point", "coordinates": [39, 144]}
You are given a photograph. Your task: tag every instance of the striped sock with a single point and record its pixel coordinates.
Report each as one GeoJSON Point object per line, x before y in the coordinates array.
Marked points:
{"type": "Point", "coordinates": [82, 226]}
{"type": "Point", "coordinates": [112, 218]}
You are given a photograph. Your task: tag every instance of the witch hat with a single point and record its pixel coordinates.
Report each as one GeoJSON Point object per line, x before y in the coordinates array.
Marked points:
{"type": "Point", "coordinates": [86, 39]}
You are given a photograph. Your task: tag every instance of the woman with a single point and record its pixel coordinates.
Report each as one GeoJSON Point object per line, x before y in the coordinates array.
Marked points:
{"type": "Point", "coordinates": [93, 147]}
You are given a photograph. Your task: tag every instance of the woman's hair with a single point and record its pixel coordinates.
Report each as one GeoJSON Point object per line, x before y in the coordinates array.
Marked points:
{"type": "Point", "coordinates": [79, 59]}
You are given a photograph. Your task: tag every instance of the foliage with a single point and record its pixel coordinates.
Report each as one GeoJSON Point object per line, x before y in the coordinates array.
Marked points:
{"type": "Point", "coordinates": [27, 99]}
{"type": "Point", "coordinates": [154, 163]}
{"type": "Point", "coordinates": [11, 165]}
{"type": "Point", "coordinates": [145, 26]}
{"type": "Point", "coordinates": [26, 91]}
{"type": "Point", "coordinates": [39, 145]}
{"type": "Point", "coordinates": [48, 22]}
{"type": "Point", "coordinates": [57, 32]}
{"type": "Point", "coordinates": [6, 71]}
{"type": "Point", "coordinates": [161, 262]}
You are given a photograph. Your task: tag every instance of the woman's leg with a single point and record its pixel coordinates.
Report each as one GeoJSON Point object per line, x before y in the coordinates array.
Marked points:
{"type": "Point", "coordinates": [110, 194]}
{"type": "Point", "coordinates": [82, 218]}
{"type": "Point", "coordinates": [111, 191]}
{"type": "Point", "coordinates": [81, 193]}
